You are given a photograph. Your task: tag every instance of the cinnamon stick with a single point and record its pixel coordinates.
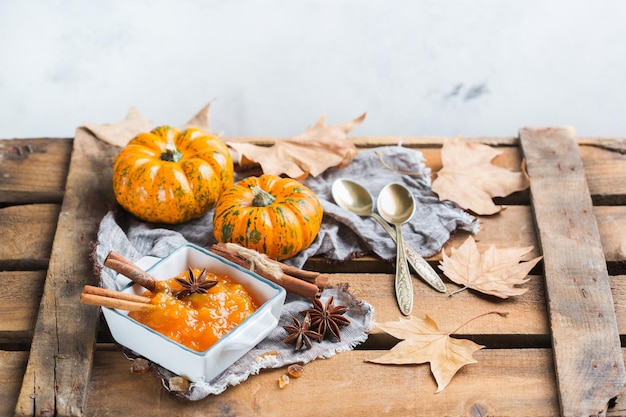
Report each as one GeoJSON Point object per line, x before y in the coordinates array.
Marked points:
{"type": "Point", "coordinates": [104, 292]}
{"type": "Point", "coordinates": [296, 272]}
{"type": "Point", "coordinates": [316, 278]}
{"type": "Point", "coordinates": [288, 282]}
{"type": "Point", "coordinates": [321, 281]}
{"type": "Point", "coordinates": [102, 301]}
{"type": "Point", "coordinates": [123, 266]}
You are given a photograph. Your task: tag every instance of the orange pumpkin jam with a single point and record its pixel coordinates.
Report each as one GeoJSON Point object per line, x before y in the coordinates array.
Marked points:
{"type": "Point", "coordinates": [197, 320]}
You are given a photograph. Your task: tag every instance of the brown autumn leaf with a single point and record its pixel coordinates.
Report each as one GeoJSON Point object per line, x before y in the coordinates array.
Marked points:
{"type": "Point", "coordinates": [119, 134]}
{"type": "Point", "coordinates": [422, 342]}
{"type": "Point", "coordinates": [312, 152]}
{"type": "Point", "coordinates": [496, 271]}
{"type": "Point", "coordinates": [469, 179]}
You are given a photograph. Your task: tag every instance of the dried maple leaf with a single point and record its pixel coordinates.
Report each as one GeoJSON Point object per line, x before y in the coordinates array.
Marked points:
{"type": "Point", "coordinates": [119, 134]}
{"type": "Point", "coordinates": [469, 179]}
{"type": "Point", "coordinates": [495, 271]}
{"type": "Point", "coordinates": [422, 342]}
{"type": "Point", "coordinates": [312, 152]}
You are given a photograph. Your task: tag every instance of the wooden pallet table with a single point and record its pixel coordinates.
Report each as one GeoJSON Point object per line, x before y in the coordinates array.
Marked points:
{"type": "Point", "coordinates": [558, 352]}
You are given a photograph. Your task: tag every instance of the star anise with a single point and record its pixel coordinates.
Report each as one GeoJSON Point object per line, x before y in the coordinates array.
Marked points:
{"type": "Point", "coordinates": [327, 318]}
{"type": "Point", "coordinates": [195, 284]}
{"type": "Point", "coordinates": [300, 333]}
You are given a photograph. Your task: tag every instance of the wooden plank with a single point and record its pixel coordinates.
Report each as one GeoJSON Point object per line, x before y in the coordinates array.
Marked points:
{"type": "Point", "coordinates": [605, 172]}
{"type": "Point", "coordinates": [62, 348]}
{"type": "Point", "coordinates": [19, 303]}
{"type": "Point", "coordinates": [589, 364]}
{"type": "Point", "coordinates": [604, 158]}
{"type": "Point", "coordinates": [526, 314]}
{"type": "Point", "coordinates": [513, 227]}
{"type": "Point", "coordinates": [12, 366]}
{"type": "Point", "coordinates": [34, 170]}
{"type": "Point", "coordinates": [27, 232]}
{"type": "Point", "coordinates": [503, 383]}
{"type": "Point", "coordinates": [517, 383]}
{"type": "Point", "coordinates": [612, 224]}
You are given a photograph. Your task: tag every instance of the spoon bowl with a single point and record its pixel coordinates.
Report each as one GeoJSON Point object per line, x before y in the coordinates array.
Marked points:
{"type": "Point", "coordinates": [352, 196]}
{"type": "Point", "coordinates": [396, 205]}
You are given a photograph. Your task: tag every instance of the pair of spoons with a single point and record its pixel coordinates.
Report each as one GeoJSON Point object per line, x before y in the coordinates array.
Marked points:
{"type": "Point", "coordinates": [395, 205]}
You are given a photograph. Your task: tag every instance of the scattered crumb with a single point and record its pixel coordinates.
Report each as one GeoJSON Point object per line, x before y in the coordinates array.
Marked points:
{"type": "Point", "coordinates": [272, 353]}
{"type": "Point", "coordinates": [283, 381]}
{"type": "Point", "coordinates": [178, 384]}
{"type": "Point", "coordinates": [295, 370]}
{"type": "Point", "coordinates": [139, 366]}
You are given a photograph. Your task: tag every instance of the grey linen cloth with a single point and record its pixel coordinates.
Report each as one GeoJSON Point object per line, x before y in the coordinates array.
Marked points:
{"type": "Point", "coordinates": [342, 236]}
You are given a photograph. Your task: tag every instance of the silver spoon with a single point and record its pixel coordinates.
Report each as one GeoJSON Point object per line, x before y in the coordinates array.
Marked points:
{"type": "Point", "coordinates": [353, 197]}
{"type": "Point", "coordinates": [396, 205]}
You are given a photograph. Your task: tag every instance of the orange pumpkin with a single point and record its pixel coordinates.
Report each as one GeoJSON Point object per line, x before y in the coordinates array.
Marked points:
{"type": "Point", "coordinates": [167, 176]}
{"type": "Point", "coordinates": [272, 215]}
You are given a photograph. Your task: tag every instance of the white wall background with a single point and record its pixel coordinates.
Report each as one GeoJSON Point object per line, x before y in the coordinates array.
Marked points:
{"type": "Point", "coordinates": [272, 67]}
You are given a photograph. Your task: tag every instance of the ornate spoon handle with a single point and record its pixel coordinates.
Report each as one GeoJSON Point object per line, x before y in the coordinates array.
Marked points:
{"type": "Point", "coordinates": [404, 287]}
{"type": "Point", "coordinates": [419, 264]}
{"type": "Point", "coordinates": [423, 269]}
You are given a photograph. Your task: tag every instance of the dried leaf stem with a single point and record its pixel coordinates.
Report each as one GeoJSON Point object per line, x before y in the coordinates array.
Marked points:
{"type": "Point", "coordinates": [399, 171]}
{"type": "Point", "coordinates": [499, 313]}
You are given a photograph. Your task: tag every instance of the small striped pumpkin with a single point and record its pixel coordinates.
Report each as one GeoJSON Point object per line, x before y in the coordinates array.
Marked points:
{"type": "Point", "coordinates": [167, 176]}
{"type": "Point", "coordinates": [270, 214]}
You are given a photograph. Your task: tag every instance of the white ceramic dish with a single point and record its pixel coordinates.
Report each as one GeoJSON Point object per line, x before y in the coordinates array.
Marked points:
{"type": "Point", "coordinates": [197, 366]}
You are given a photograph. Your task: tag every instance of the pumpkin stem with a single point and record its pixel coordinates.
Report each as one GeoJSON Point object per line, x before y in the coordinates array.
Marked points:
{"type": "Point", "coordinates": [261, 197]}
{"type": "Point", "coordinates": [171, 154]}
